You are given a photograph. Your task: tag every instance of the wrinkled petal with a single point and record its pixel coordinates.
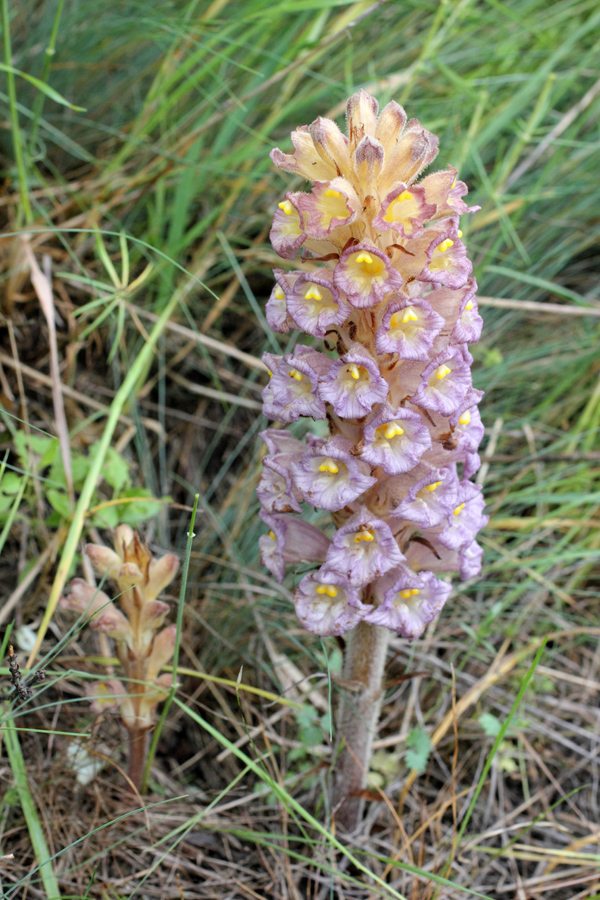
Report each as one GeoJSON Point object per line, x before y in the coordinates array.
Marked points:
{"type": "Point", "coordinates": [408, 328]}
{"type": "Point", "coordinates": [290, 540]}
{"type": "Point", "coordinates": [353, 384]}
{"type": "Point", "coordinates": [327, 607]}
{"type": "Point", "coordinates": [361, 550]}
{"type": "Point", "coordinates": [365, 274]}
{"type": "Point", "coordinates": [394, 440]}
{"type": "Point", "coordinates": [411, 602]}
{"type": "Point", "coordinates": [329, 477]}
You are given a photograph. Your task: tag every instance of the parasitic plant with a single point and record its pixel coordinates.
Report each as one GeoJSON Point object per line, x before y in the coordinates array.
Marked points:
{"type": "Point", "coordinates": [141, 647]}
{"type": "Point", "coordinates": [386, 286]}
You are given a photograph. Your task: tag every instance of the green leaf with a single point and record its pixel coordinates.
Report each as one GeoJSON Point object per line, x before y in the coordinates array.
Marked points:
{"type": "Point", "coordinates": [60, 502]}
{"type": "Point", "coordinates": [41, 86]}
{"type": "Point", "coordinates": [311, 736]}
{"type": "Point", "coordinates": [141, 510]}
{"type": "Point", "coordinates": [306, 716]}
{"type": "Point", "coordinates": [11, 482]}
{"type": "Point", "coordinates": [26, 444]}
{"type": "Point", "coordinates": [418, 743]}
{"type": "Point", "coordinates": [115, 470]}
{"type": "Point", "coordinates": [490, 724]}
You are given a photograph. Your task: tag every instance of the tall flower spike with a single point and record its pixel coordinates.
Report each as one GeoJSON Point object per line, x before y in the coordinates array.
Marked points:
{"type": "Point", "coordinates": [386, 282]}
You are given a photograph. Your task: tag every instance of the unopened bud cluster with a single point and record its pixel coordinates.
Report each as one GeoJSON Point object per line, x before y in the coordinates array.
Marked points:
{"type": "Point", "coordinates": [142, 645]}
{"type": "Point", "coordinates": [386, 286]}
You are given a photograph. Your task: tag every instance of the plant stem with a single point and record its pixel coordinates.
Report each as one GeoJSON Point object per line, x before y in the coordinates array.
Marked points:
{"type": "Point", "coordinates": [138, 740]}
{"type": "Point", "coordinates": [364, 664]}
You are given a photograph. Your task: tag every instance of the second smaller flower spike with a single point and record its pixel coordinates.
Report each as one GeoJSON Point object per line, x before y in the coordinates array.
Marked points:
{"type": "Point", "coordinates": [142, 648]}
{"type": "Point", "coordinates": [385, 284]}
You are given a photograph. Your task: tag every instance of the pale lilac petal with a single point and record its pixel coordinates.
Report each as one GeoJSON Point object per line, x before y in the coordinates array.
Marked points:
{"type": "Point", "coordinates": [365, 274]}
{"type": "Point", "coordinates": [287, 234]}
{"type": "Point", "coordinates": [411, 602]}
{"type": "Point", "coordinates": [329, 477]}
{"type": "Point", "coordinates": [361, 550]}
{"type": "Point", "coordinates": [466, 518]}
{"type": "Point", "coordinates": [404, 210]}
{"type": "Point", "coordinates": [292, 390]}
{"type": "Point", "coordinates": [394, 439]}
{"type": "Point", "coordinates": [315, 304]}
{"type": "Point", "coordinates": [445, 382]}
{"type": "Point", "coordinates": [328, 206]}
{"type": "Point", "coordinates": [408, 328]}
{"type": "Point", "coordinates": [431, 500]}
{"type": "Point", "coordinates": [447, 258]}
{"type": "Point", "coordinates": [327, 607]}
{"type": "Point", "coordinates": [353, 384]}
{"type": "Point", "coordinates": [290, 540]}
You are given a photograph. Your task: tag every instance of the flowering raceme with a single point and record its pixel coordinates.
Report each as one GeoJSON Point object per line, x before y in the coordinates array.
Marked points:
{"type": "Point", "coordinates": [387, 287]}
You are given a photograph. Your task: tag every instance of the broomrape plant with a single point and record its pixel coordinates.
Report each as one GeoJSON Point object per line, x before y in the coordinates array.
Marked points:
{"type": "Point", "coordinates": [386, 286]}
{"type": "Point", "coordinates": [141, 647]}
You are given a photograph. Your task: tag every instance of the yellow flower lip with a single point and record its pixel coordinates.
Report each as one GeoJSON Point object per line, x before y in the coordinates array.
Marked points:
{"type": "Point", "coordinates": [329, 589]}
{"type": "Point", "coordinates": [313, 293]}
{"type": "Point", "coordinates": [365, 535]}
{"type": "Point", "coordinates": [279, 292]}
{"type": "Point", "coordinates": [442, 371]}
{"type": "Point", "coordinates": [432, 487]}
{"type": "Point", "coordinates": [389, 214]}
{"type": "Point", "coordinates": [287, 207]}
{"type": "Point", "coordinates": [329, 465]}
{"type": "Point", "coordinates": [408, 592]}
{"type": "Point", "coordinates": [364, 257]}
{"type": "Point", "coordinates": [459, 509]}
{"type": "Point", "coordinates": [468, 305]}
{"type": "Point", "coordinates": [296, 375]}
{"type": "Point", "coordinates": [445, 245]}
{"type": "Point", "coordinates": [331, 193]}
{"type": "Point", "coordinates": [465, 418]}
{"type": "Point", "coordinates": [354, 370]}
{"type": "Point", "coordinates": [390, 430]}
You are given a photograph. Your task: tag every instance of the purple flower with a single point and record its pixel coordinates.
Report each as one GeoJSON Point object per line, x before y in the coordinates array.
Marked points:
{"type": "Point", "coordinates": [276, 308]}
{"type": "Point", "coordinates": [290, 540]}
{"type": "Point", "coordinates": [445, 382]}
{"type": "Point", "coordinates": [292, 390]}
{"type": "Point", "coordinates": [361, 550]}
{"type": "Point", "coordinates": [469, 558]}
{"type": "Point", "coordinates": [364, 273]}
{"type": "Point", "coordinates": [353, 384]}
{"type": "Point", "coordinates": [411, 601]}
{"type": "Point", "coordinates": [330, 205]}
{"type": "Point", "coordinates": [326, 605]}
{"type": "Point", "coordinates": [469, 323]}
{"type": "Point", "coordinates": [447, 258]}
{"type": "Point", "coordinates": [466, 423]}
{"type": "Point", "coordinates": [275, 491]}
{"type": "Point", "coordinates": [408, 328]}
{"type": "Point", "coordinates": [387, 286]}
{"type": "Point", "coordinates": [315, 304]}
{"type": "Point", "coordinates": [287, 234]}
{"type": "Point", "coordinates": [466, 518]}
{"type": "Point", "coordinates": [430, 500]}
{"type": "Point", "coordinates": [445, 191]}
{"type": "Point", "coordinates": [329, 477]}
{"type": "Point", "coordinates": [404, 211]}
{"type": "Point", "coordinates": [394, 440]}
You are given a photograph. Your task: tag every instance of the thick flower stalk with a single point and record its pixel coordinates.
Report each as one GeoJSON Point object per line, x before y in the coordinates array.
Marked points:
{"type": "Point", "coordinates": [143, 646]}
{"type": "Point", "coordinates": [386, 287]}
